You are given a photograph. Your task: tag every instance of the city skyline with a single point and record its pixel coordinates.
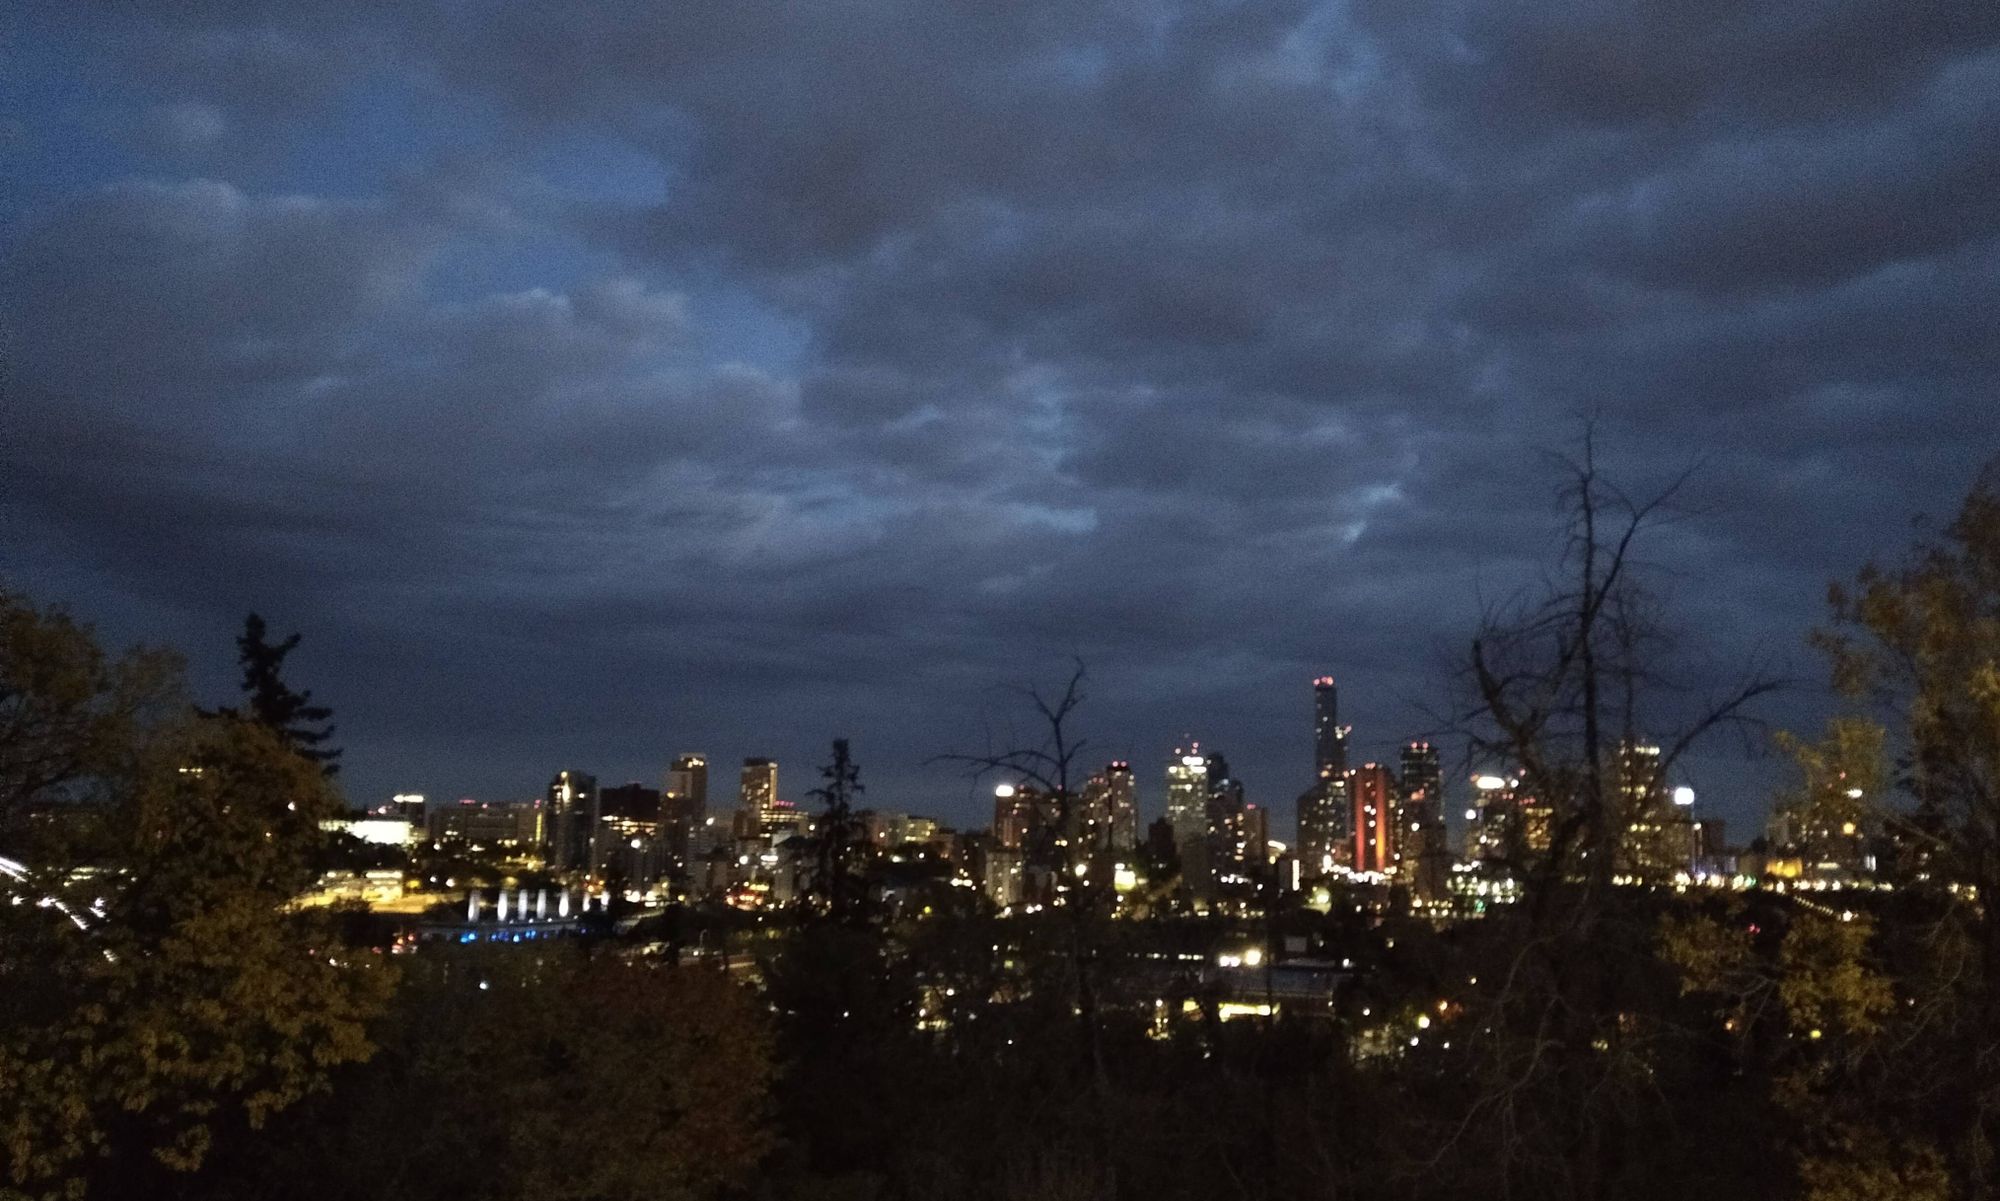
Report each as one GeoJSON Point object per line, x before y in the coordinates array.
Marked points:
{"type": "Point", "coordinates": [1187, 781]}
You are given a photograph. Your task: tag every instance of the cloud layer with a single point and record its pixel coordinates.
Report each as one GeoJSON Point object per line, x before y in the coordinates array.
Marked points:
{"type": "Point", "coordinates": [594, 386]}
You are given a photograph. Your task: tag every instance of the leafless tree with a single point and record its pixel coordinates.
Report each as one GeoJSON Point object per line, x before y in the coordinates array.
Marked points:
{"type": "Point", "coordinates": [1048, 762]}
{"type": "Point", "coordinates": [1556, 683]}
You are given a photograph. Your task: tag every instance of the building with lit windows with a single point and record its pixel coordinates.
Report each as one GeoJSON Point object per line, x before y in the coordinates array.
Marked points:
{"type": "Point", "coordinates": [1123, 794]}
{"type": "Point", "coordinates": [1373, 792]}
{"type": "Point", "coordinates": [1187, 793]}
{"type": "Point", "coordinates": [518, 827]}
{"type": "Point", "coordinates": [1106, 815]}
{"type": "Point", "coordinates": [1493, 819]}
{"type": "Point", "coordinates": [1236, 837]}
{"type": "Point", "coordinates": [409, 806]}
{"type": "Point", "coordinates": [573, 818]}
{"type": "Point", "coordinates": [1423, 853]}
{"type": "Point", "coordinates": [1324, 810]}
{"type": "Point", "coordinates": [627, 844]}
{"type": "Point", "coordinates": [687, 779]}
{"type": "Point", "coordinates": [1653, 836]}
{"type": "Point", "coordinates": [757, 791]}
{"type": "Point", "coordinates": [1002, 876]}
{"type": "Point", "coordinates": [1329, 736]}
{"type": "Point", "coordinates": [784, 820]}
{"type": "Point", "coordinates": [1014, 810]}
{"type": "Point", "coordinates": [1187, 813]}
{"type": "Point", "coordinates": [683, 810]}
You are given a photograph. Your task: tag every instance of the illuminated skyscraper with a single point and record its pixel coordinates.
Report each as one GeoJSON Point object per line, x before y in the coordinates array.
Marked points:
{"type": "Point", "coordinates": [1374, 823]}
{"type": "Point", "coordinates": [1421, 847]}
{"type": "Point", "coordinates": [1104, 816]}
{"type": "Point", "coordinates": [1329, 736]}
{"type": "Point", "coordinates": [1422, 773]}
{"type": "Point", "coordinates": [1493, 821]}
{"type": "Point", "coordinates": [683, 809]}
{"type": "Point", "coordinates": [1013, 816]}
{"type": "Point", "coordinates": [1325, 814]}
{"type": "Point", "coordinates": [1187, 795]}
{"type": "Point", "coordinates": [1233, 860]}
{"type": "Point", "coordinates": [687, 781]}
{"type": "Point", "coordinates": [757, 793]}
{"type": "Point", "coordinates": [1187, 813]}
{"type": "Point", "coordinates": [573, 818]}
{"type": "Point", "coordinates": [1123, 793]}
{"type": "Point", "coordinates": [1653, 842]}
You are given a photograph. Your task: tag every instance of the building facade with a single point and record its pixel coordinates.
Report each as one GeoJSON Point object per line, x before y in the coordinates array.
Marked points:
{"type": "Point", "coordinates": [573, 818]}
{"type": "Point", "coordinates": [1325, 832]}
{"type": "Point", "coordinates": [1422, 848]}
{"type": "Point", "coordinates": [1374, 822]}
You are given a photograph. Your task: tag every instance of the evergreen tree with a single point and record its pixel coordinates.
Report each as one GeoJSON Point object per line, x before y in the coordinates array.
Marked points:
{"type": "Point", "coordinates": [173, 997]}
{"type": "Point", "coordinates": [291, 715]}
{"type": "Point", "coordinates": [837, 885]}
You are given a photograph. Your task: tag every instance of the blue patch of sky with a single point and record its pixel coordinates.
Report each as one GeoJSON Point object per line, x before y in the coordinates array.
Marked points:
{"type": "Point", "coordinates": [70, 121]}
{"type": "Point", "coordinates": [384, 125]}
{"type": "Point", "coordinates": [58, 105]}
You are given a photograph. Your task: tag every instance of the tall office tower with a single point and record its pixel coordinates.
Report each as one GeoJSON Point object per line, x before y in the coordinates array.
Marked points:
{"type": "Point", "coordinates": [1230, 860]}
{"type": "Point", "coordinates": [1649, 845]}
{"type": "Point", "coordinates": [756, 793]}
{"type": "Point", "coordinates": [1124, 802]}
{"type": "Point", "coordinates": [1374, 825]}
{"type": "Point", "coordinates": [1015, 816]}
{"type": "Point", "coordinates": [573, 818]}
{"type": "Point", "coordinates": [1501, 824]}
{"type": "Point", "coordinates": [1089, 827]}
{"type": "Point", "coordinates": [1187, 794]}
{"type": "Point", "coordinates": [1187, 813]}
{"type": "Point", "coordinates": [1324, 825]}
{"type": "Point", "coordinates": [1329, 736]}
{"type": "Point", "coordinates": [687, 779]}
{"type": "Point", "coordinates": [1422, 773]}
{"type": "Point", "coordinates": [683, 809]}
{"type": "Point", "coordinates": [1324, 815]}
{"type": "Point", "coordinates": [1421, 847]}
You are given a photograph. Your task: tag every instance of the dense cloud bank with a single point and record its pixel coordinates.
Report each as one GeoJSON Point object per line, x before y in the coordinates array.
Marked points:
{"type": "Point", "coordinates": [596, 384]}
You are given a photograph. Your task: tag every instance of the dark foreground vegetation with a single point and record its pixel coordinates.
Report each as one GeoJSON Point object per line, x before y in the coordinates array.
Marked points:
{"type": "Point", "coordinates": [173, 1028]}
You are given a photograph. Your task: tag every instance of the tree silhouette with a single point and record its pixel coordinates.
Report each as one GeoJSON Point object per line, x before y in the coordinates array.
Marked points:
{"type": "Point", "coordinates": [1558, 683]}
{"type": "Point", "coordinates": [837, 884]}
{"type": "Point", "coordinates": [172, 995]}
{"type": "Point", "coordinates": [273, 704]}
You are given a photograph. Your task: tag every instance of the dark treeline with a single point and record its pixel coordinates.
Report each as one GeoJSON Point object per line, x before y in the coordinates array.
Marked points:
{"type": "Point", "coordinates": [174, 1028]}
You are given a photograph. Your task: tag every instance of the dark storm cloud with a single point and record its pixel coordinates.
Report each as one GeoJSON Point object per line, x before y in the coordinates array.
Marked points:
{"type": "Point", "coordinates": [597, 384]}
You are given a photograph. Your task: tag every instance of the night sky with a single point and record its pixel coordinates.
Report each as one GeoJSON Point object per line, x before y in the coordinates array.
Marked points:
{"type": "Point", "coordinates": [593, 385]}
